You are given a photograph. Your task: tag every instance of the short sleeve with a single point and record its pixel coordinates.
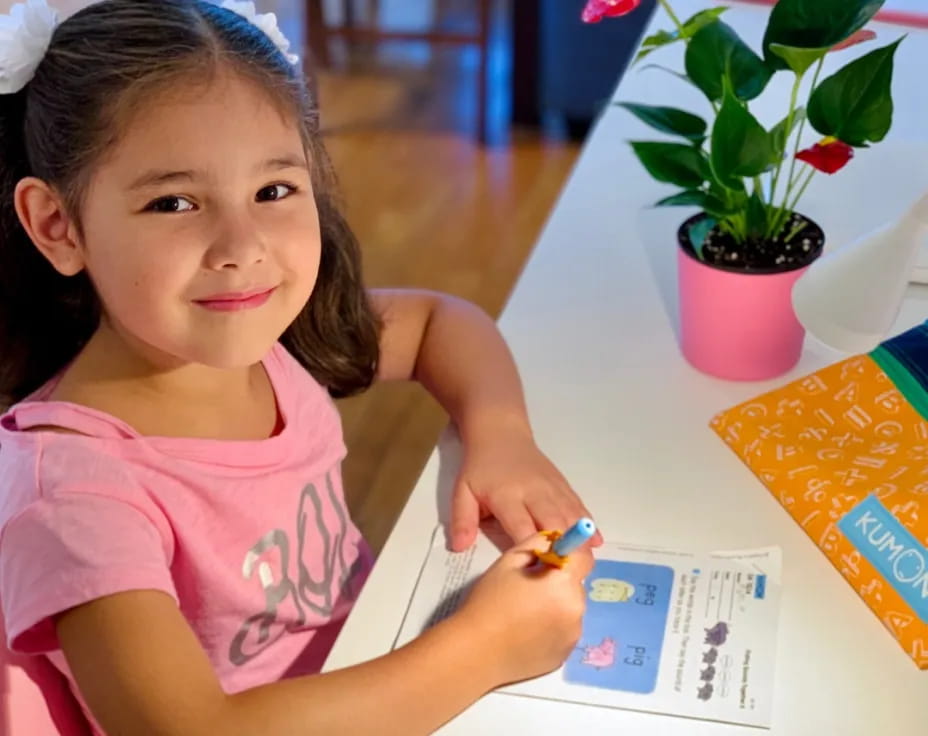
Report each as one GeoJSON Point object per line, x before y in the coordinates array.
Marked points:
{"type": "Point", "coordinates": [70, 549]}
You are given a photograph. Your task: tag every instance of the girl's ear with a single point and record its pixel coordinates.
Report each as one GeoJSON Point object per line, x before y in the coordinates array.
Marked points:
{"type": "Point", "coordinates": [42, 214]}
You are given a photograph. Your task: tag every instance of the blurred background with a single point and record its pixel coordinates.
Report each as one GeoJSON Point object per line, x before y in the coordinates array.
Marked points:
{"type": "Point", "coordinates": [453, 125]}
{"type": "Point", "coordinates": [447, 179]}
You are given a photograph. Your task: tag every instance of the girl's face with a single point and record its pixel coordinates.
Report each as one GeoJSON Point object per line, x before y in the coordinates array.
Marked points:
{"type": "Point", "coordinates": [200, 229]}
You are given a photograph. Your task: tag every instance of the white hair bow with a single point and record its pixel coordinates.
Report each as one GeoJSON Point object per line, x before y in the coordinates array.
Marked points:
{"type": "Point", "coordinates": [267, 22]}
{"type": "Point", "coordinates": [25, 33]}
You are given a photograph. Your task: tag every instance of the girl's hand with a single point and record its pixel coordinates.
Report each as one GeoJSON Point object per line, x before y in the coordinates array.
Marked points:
{"type": "Point", "coordinates": [505, 475]}
{"type": "Point", "coordinates": [527, 616]}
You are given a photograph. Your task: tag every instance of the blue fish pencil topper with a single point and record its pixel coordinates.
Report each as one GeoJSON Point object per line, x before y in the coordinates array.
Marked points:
{"type": "Point", "coordinates": [574, 537]}
{"type": "Point", "coordinates": [563, 544]}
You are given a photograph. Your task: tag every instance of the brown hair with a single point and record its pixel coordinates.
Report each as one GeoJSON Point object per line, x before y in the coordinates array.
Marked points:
{"type": "Point", "coordinates": [103, 63]}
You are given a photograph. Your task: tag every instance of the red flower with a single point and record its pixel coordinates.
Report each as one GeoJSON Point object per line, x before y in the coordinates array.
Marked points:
{"type": "Point", "coordinates": [596, 10]}
{"type": "Point", "coordinates": [828, 155]}
{"type": "Point", "coordinates": [855, 39]}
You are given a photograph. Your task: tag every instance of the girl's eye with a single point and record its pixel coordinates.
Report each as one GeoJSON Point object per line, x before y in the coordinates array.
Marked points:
{"type": "Point", "coordinates": [274, 192]}
{"type": "Point", "coordinates": [171, 204]}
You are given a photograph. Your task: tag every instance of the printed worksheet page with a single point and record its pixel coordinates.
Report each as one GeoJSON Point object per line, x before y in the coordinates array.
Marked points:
{"type": "Point", "coordinates": [668, 632]}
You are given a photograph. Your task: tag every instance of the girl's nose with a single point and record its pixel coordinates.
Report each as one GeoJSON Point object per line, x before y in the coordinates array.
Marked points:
{"type": "Point", "coordinates": [238, 243]}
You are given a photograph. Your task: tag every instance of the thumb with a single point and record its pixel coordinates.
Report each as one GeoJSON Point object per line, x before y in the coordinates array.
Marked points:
{"type": "Point", "coordinates": [465, 518]}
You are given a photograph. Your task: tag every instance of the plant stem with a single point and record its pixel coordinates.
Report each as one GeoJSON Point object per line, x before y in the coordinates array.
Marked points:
{"type": "Point", "coordinates": [794, 181]}
{"type": "Point", "coordinates": [681, 31]}
{"type": "Point", "coordinates": [802, 125]}
{"type": "Point", "coordinates": [781, 214]}
{"type": "Point", "coordinates": [781, 220]}
{"type": "Point", "coordinates": [802, 190]}
{"type": "Point", "coordinates": [739, 223]}
{"type": "Point", "coordinates": [794, 232]}
{"type": "Point", "coordinates": [794, 96]}
{"type": "Point", "coordinates": [676, 21]}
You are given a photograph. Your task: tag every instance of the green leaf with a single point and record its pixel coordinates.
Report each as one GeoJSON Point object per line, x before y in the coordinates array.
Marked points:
{"type": "Point", "coordinates": [740, 145]}
{"type": "Point", "coordinates": [699, 230]}
{"type": "Point", "coordinates": [716, 52]}
{"type": "Point", "coordinates": [670, 120]}
{"type": "Point", "coordinates": [696, 198]}
{"type": "Point", "coordinates": [814, 24]}
{"type": "Point", "coordinates": [665, 38]}
{"type": "Point", "coordinates": [779, 135]}
{"type": "Point", "coordinates": [677, 74]}
{"type": "Point", "coordinates": [799, 60]}
{"type": "Point", "coordinates": [703, 18]}
{"type": "Point", "coordinates": [688, 198]}
{"type": "Point", "coordinates": [674, 163]}
{"type": "Point", "coordinates": [732, 199]}
{"type": "Point", "coordinates": [756, 217]}
{"type": "Point", "coordinates": [855, 104]}
{"type": "Point", "coordinates": [656, 41]}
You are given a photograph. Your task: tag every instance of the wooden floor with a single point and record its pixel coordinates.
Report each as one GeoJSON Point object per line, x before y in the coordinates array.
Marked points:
{"type": "Point", "coordinates": [432, 209]}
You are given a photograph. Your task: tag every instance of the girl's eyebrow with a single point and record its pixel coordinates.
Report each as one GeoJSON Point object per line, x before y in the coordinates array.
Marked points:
{"type": "Point", "coordinates": [157, 177]}
{"type": "Point", "coordinates": [287, 161]}
{"type": "Point", "coordinates": [154, 177]}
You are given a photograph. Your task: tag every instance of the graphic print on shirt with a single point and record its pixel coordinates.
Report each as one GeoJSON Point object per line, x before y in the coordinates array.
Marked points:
{"type": "Point", "coordinates": [269, 561]}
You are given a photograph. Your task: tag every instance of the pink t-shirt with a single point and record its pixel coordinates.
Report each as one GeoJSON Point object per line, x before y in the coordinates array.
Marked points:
{"type": "Point", "coordinates": [252, 539]}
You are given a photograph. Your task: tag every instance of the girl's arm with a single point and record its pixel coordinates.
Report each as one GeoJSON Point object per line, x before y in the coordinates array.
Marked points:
{"type": "Point", "coordinates": [142, 671]}
{"type": "Point", "coordinates": [161, 682]}
{"type": "Point", "coordinates": [456, 351]}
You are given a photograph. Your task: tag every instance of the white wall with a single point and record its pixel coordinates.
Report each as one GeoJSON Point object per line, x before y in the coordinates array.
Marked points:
{"type": "Point", "coordinates": [911, 6]}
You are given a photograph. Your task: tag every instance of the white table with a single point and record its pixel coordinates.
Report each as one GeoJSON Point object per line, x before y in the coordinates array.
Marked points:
{"type": "Point", "coordinates": [592, 324]}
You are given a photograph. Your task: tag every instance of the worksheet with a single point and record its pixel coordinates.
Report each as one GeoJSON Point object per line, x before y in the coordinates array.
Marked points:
{"type": "Point", "coordinates": [667, 632]}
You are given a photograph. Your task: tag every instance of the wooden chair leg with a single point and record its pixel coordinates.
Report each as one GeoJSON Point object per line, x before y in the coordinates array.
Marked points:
{"type": "Point", "coordinates": [315, 32]}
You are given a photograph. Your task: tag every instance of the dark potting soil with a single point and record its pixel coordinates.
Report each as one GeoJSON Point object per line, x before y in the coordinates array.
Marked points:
{"type": "Point", "coordinates": [764, 256]}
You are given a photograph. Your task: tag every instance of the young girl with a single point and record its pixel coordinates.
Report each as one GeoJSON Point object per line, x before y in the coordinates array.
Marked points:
{"type": "Point", "coordinates": [180, 297]}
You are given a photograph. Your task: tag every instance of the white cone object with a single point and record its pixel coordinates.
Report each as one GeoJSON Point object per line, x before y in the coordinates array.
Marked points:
{"type": "Point", "coordinates": [850, 298]}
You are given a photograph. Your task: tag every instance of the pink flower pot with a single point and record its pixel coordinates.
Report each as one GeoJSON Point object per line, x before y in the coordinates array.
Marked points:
{"type": "Point", "coordinates": [737, 324]}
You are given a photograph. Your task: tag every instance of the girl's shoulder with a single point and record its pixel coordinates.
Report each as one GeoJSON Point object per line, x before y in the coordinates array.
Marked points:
{"type": "Point", "coordinates": [52, 448]}
{"type": "Point", "coordinates": [49, 447]}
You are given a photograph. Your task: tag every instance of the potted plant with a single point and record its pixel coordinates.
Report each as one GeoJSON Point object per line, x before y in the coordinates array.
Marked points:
{"type": "Point", "coordinates": [740, 255]}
